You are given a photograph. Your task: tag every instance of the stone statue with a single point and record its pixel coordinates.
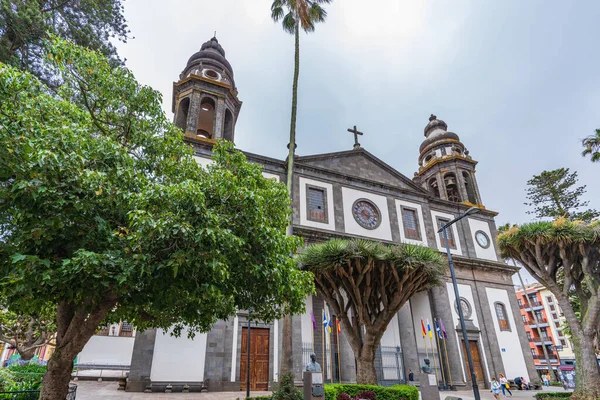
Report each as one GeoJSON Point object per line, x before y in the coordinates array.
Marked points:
{"type": "Point", "coordinates": [426, 368]}
{"type": "Point", "coordinates": [313, 365]}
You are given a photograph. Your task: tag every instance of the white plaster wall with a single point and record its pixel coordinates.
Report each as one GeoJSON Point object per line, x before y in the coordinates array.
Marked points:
{"type": "Point", "coordinates": [421, 309]}
{"type": "Point", "coordinates": [438, 241]}
{"type": "Point", "coordinates": [203, 161]}
{"type": "Point", "coordinates": [330, 225]}
{"type": "Point", "coordinates": [391, 336]}
{"type": "Point", "coordinates": [113, 350]}
{"type": "Point", "coordinates": [510, 345]}
{"type": "Point", "coordinates": [490, 252]}
{"type": "Point", "coordinates": [383, 231]}
{"type": "Point", "coordinates": [276, 351]}
{"type": "Point", "coordinates": [178, 359]}
{"type": "Point", "coordinates": [234, 348]}
{"type": "Point", "coordinates": [465, 291]}
{"type": "Point", "coordinates": [306, 322]}
{"type": "Point", "coordinates": [399, 204]}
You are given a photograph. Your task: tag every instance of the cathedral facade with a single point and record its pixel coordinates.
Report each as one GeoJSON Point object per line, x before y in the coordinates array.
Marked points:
{"type": "Point", "coordinates": [350, 194]}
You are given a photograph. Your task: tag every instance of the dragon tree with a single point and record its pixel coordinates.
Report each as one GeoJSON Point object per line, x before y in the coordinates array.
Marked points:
{"type": "Point", "coordinates": [366, 283]}
{"type": "Point", "coordinates": [564, 256]}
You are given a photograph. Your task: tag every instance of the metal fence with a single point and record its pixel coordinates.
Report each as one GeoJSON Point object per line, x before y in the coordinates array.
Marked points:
{"type": "Point", "coordinates": [389, 365]}
{"type": "Point", "coordinates": [35, 394]}
{"type": "Point", "coordinates": [330, 364]}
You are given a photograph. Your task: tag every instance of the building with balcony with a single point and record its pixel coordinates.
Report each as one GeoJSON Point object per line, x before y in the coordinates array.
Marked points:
{"type": "Point", "coordinates": [544, 323]}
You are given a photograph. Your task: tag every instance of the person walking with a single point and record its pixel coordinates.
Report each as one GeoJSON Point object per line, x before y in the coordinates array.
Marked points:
{"type": "Point", "coordinates": [505, 385]}
{"type": "Point", "coordinates": [546, 378]}
{"type": "Point", "coordinates": [496, 388]}
{"type": "Point", "coordinates": [411, 376]}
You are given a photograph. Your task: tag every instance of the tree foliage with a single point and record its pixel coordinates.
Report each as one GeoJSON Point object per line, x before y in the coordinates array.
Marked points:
{"type": "Point", "coordinates": [591, 146]}
{"type": "Point", "coordinates": [564, 256]}
{"type": "Point", "coordinates": [366, 283]}
{"type": "Point", "coordinates": [25, 23]}
{"type": "Point", "coordinates": [27, 333]}
{"type": "Point", "coordinates": [106, 214]}
{"type": "Point", "coordinates": [553, 194]}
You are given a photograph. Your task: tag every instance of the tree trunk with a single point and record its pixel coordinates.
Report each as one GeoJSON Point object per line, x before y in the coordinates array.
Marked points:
{"type": "Point", "coordinates": [587, 376]}
{"type": "Point", "coordinates": [365, 366]}
{"type": "Point", "coordinates": [287, 364]}
{"type": "Point", "coordinates": [56, 380]}
{"type": "Point", "coordinates": [28, 354]}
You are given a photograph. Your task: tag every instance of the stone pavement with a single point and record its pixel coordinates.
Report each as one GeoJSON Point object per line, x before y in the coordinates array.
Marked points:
{"type": "Point", "coordinates": [92, 390]}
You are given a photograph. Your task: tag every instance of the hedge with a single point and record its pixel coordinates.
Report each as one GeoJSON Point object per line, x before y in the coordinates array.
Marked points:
{"type": "Point", "coordinates": [553, 395]}
{"type": "Point", "coordinates": [397, 392]}
{"type": "Point", "coordinates": [257, 398]}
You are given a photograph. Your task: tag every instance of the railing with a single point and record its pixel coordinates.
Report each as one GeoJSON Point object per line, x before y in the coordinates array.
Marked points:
{"type": "Point", "coordinates": [533, 304]}
{"type": "Point", "coordinates": [389, 366]}
{"type": "Point", "coordinates": [539, 321]}
{"type": "Point", "coordinates": [35, 394]}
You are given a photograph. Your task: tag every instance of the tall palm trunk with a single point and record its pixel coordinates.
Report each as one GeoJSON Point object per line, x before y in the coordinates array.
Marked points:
{"type": "Point", "coordinates": [287, 361]}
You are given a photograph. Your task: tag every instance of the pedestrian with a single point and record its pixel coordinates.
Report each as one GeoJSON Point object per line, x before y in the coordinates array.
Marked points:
{"type": "Point", "coordinates": [519, 383]}
{"type": "Point", "coordinates": [546, 378]}
{"type": "Point", "coordinates": [496, 388]}
{"type": "Point", "coordinates": [411, 376]}
{"type": "Point", "coordinates": [505, 385]}
{"type": "Point", "coordinates": [525, 383]}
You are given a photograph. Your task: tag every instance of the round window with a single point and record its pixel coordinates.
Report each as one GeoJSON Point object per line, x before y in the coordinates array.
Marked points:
{"type": "Point", "coordinates": [482, 239]}
{"type": "Point", "coordinates": [466, 308]}
{"type": "Point", "coordinates": [366, 214]}
{"type": "Point", "coordinates": [211, 74]}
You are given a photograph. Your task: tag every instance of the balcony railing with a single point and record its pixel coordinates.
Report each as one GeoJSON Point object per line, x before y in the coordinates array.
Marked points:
{"type": "Point", "coordinates": [539, 321]}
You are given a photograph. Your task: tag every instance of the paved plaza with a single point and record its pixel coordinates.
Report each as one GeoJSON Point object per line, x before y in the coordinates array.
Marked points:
{"type": "Point", "coordinates": [89, 390]}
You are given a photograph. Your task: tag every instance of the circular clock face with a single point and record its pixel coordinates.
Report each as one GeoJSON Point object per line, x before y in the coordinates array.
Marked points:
{"type": "Point", "coordinates": [466, 307]}
{"type": "Point", "coordinates": [366, 214]}
{"type": "Point", "coordinates": [482, 239]}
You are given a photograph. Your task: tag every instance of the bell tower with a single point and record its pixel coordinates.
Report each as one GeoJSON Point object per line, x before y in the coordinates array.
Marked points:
{"type": "Point", "coordinates": [205, 99]}
{"type": "Point", "coordinates": [446, 169]}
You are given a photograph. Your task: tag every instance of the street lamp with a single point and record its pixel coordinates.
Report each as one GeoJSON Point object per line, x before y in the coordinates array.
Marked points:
{"type": "Point", "coordinates": [461, 317]}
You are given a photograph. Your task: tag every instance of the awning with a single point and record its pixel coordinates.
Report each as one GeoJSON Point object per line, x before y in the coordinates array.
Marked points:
{"type": "Point", "coordinates": [566, 368]}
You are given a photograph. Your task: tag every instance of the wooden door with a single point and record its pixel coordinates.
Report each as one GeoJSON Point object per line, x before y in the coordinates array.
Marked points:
{"type": "Point", "coordinates": [259, 359]}
{"type": "Point", "coordinates": [477, 364]}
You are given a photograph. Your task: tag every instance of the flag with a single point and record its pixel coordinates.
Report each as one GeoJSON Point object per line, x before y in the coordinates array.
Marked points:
{"type": "Point", "coordinates": [339, 326]}
{"type": "Point", "coordinates": [423, 331]}
{"type": "Point", "coordinates": [437, 329]}
{"type": "Point", "coordinates": [312, 318]}
{"type": "Point", "coordinates": [443, 329]}
{"type": "Point", "coordinates": [324, 320]}
{"type": "Point", "coordinates": [429, 329]}
{"type": "Point", "coordinates": [329, 326]}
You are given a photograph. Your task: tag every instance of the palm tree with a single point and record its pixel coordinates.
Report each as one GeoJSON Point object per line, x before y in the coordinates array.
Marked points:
{"type": "Point", "coordinates": [592, 146]}
{"type": "Point", "coordinates": [294, 15]}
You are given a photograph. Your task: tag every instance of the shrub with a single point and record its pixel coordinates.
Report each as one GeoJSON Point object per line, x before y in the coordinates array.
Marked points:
{"type": "Point", "coordinates": [26, 376]}
{"type": "Point", "coordinates": [367, 394]}
{"type": "Point", "coordinates": [6, 379]}
{"type": "Point", "coordinates": [553, 395]}
{"type": "Point", "coordinates": [287, 390]}
{"type": "Point", "coordinates": [343, 396]}
{"type": "Point", "coordinates": [554, 383]}
{"type": "Point", "coordinates": [397, 392]}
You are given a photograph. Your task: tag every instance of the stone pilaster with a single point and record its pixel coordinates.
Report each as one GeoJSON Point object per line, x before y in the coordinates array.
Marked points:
{"type": "Point", "coordinates": [488, 331]}
{"type": "Point", "coordinates": [191, 125]}
{"type": "Point", "coordinates": [219, 118]}
{"type": "Point", "coordinates": [141, 361]}
{"type": "Point", "coordinates": [408, 341]}
{"type": "Point", "coordinates": [297, 346]}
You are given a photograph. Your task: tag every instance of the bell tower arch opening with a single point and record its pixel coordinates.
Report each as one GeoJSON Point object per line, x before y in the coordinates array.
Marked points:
{"type": "Point", "coordinates": [228, 126]}
{"type": "Point", "coordinates": [182, 113]}
{"type": "Point", "coordinates": [206, 119]}
{"type": "Point", "coordinates": [469, 187]}
{"type": "Point", "coordinates": [451, 185]}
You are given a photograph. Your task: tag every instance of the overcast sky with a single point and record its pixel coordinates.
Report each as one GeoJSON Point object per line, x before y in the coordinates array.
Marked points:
{"type": "Point", "coordinates": [516, 80]}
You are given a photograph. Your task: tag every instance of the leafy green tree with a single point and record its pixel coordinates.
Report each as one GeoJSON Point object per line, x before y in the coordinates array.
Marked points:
{"type": "Point", "coordinates": [592, 146]}
{"type": "Point", "coordinates": [89, 23]}
{"type": "Point", "coordinates": [27, 333]}
{"type": "Point", "coordinates": [106, 215]}
{"type": "Point", "coordinates": [553, 194]}
{"type": "Point", "coordinates": [373, 281]}
{"type": "Point", "coordinates": [564, 256]}
{"type": "Point", "coordinates": [294, 15]}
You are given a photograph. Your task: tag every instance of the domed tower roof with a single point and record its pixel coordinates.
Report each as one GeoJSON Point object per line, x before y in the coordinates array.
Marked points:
{"type": "Point", "coordinates": [211, 54]}
{"type": "Point", "coordinates": [436, 130]}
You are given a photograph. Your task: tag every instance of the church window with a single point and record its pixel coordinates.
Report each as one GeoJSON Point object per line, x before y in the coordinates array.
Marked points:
{"type": "Point", "coordinates": [502, 316]}
{"type": "Point", "coordinates": [182, 113]}
{"type": "Point", "coordinates": [449, 232]}
{"type": "Point", "coordinates": [452, 188]}
{"type": "Point", "coordinates": [432, 185]}
{"type": "Point", "coordinates": [206, 119]}
{"type": "Point", "coordinates": [316, 201]}
{"type": "Point", "coordinates": [470, 188]}
{"type": "Point", "coordinates": [411, 223]}
{"type": "Point", "coordinates": [126, 329]}
{"type": "Point", "coordinates": [211, 74]}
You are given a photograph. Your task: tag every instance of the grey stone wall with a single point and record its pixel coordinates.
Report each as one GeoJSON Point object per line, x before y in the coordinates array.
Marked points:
{"type": "Point", "coordinates": [141, 361]}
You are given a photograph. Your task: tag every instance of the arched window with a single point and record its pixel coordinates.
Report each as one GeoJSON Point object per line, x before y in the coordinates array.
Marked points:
{"type": "Point", "coordinates": [452, 187]}
{"type": "Point", "coordinates": [502, 316]}
{"type": "Point", "coordinates": [182, 113]}
{"type": "Point", "coordinates": [432, 185]}
{"type": "Point", "coordinates": [470, 188]}
{"type": "Point", "coordinates": [228, 126]}
{"type": "Point", "coordinates": [206, 118]}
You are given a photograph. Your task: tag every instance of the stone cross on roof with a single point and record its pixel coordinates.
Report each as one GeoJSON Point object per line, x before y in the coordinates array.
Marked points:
{"type": "Point", "coordinates": [356, 133]}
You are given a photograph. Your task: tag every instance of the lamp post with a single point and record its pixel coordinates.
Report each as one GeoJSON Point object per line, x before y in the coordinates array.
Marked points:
{"type": "Point", "coordinates": [461, 317]}
{"type": "Point", "coordinates": [248, 357]}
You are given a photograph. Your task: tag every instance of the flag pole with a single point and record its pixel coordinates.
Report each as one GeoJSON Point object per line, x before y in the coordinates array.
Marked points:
{"type": "Point", "coordinates": [323, 341]}
{"type": "Point", "coordinates": [438, 332]}
{"type": "Point", "coordinates": [447, 362]}
{"type": "Point", "coordinates": [433, 357]}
